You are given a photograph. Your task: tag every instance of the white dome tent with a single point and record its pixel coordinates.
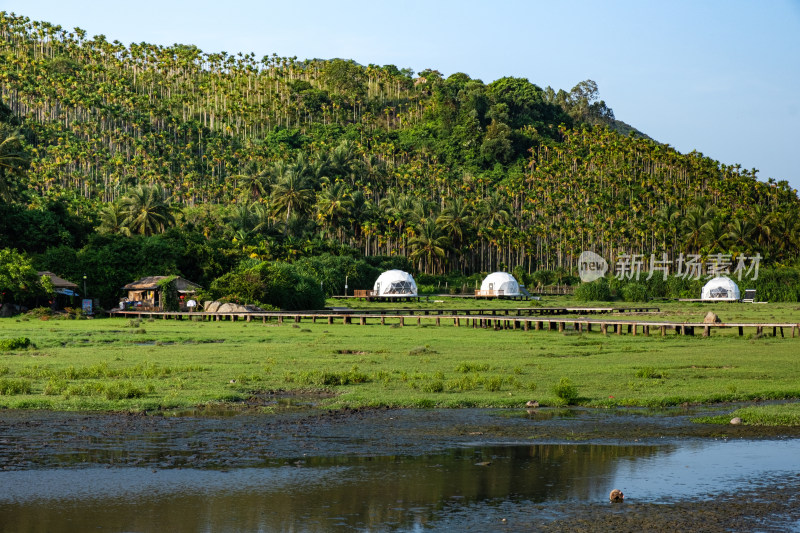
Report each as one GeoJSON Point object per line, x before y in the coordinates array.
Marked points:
{"type": "Point", "coordinates": [499, 284]}
{"type": "Point", "coordinates": [395, 284]}
{"type": "Point", "coordinates": [721, 288]}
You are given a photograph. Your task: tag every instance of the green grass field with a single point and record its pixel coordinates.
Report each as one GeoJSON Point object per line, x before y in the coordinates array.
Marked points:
{"type": "Point", "coordinates": [123, 364]}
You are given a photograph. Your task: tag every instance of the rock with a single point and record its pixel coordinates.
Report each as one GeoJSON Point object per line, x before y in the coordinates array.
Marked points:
{"type": "Point", "coordinates": [711, 318]}
{"type": "Point", "coordinates": [231, 308]}
{"type": "Point", "coordinates": [532, 404]}
{"type": "Point", "coordinates": [211, 307]}
{"type": "Point", "coordinates": [616, 495]}
{"type": "Point", "coordinates": [736, 421]}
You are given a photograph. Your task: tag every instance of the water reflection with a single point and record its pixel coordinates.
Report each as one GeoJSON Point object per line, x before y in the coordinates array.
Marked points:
{"type": "Point", "coordinates": [379, 493]}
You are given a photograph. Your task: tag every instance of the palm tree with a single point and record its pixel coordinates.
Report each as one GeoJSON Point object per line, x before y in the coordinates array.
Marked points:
{"type": "Point", "coordinates": [456, 218]}
{"type": "Point", "coordinates": [112, 219]}
{"type": "Point", "coordinates": [694, 224]}
{"type": "Point", "coordinates": [14, 161]}
{"type": "Point", "coordinates": [715, 235]}
{"type": "Point", "coordinates": [255, 184]}
{"type": "Point", "coordinates": [334, 203]}
{"type": "Point", "coordinates": [429, 245]}
{"type": "Point", "coordinates": [292, 192]}
{"type": "Point", "coordinates": [146, 210]}
{"type": "Point", "coordinates": [740, 233]}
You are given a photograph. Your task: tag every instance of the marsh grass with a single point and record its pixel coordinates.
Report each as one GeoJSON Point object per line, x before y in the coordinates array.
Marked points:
{"type": "Point", "coordinates": [106, 364]}
{"type": "Point", "coordinates": [764, 415]}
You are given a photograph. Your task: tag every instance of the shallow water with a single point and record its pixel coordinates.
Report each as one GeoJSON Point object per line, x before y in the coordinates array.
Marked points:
{"type": "Point", "coordinates": [466, 488]}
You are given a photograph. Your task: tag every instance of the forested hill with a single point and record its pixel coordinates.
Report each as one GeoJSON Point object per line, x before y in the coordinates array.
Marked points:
{"type": "Point", "coordinates": [285, 158]}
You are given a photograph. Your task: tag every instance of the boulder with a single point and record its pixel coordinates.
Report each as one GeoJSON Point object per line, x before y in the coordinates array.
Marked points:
{"type": "Point", "coordinates": [711, 318]}
{"type": "Point", "coordinates": [236, 308]}
{"type": "Point", "coordinates": [211, 307]}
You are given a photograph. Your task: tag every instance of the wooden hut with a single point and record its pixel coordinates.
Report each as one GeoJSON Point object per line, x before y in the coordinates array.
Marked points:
{"type": "Point", "coordinates": [65, 291]}
{"type": "Point", "coordinates": [148, 293]}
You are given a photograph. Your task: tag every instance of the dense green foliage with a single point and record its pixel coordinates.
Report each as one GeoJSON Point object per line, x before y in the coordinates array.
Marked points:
{"type": "Point", "coordinates": [148, 160]}
{"type": "Point", "coordinates": [275, 285]}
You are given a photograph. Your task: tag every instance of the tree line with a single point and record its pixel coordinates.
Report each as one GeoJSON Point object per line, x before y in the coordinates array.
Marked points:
{"type": "Point", "coordinates": [276, 159]}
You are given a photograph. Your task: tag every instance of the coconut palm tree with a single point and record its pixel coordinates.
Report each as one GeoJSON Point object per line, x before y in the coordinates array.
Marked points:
{"type": "Point", "coordinates": [429, 246]}
{"type": "Point", "coordinates": [292, 192]}
{"type": "Point", "coordinates": [112, 219]}
{"type": "Point", "coordinates": [147, 212]}
{"type": "Point", "coordinates": [334, 203]}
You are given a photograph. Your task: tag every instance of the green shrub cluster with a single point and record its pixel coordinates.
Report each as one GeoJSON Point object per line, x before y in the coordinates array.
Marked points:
{"type": "Point", "coordinates": [14, 344]}
{"type": "Point", "coordinates": [269, 285]}
{"type": "Point", "coordinates": [14, 386]}
{"type": "Point", "coordinates": [596, 291]}
{"type": "Point", "coordinates": [565, 390]}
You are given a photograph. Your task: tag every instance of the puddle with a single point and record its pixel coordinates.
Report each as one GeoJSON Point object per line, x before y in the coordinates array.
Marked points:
{"type": "Point", "coordinates": [461, 489]}
{"type": "Point", "coordinates": [302, 469]}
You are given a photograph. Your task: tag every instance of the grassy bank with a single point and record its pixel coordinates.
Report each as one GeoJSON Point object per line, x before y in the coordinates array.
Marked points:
{"type": "Point", "coordinates": [112, 364]}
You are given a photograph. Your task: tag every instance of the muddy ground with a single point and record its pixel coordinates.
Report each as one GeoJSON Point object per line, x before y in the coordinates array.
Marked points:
{"type": "Point", "coordinates": [291, 430]}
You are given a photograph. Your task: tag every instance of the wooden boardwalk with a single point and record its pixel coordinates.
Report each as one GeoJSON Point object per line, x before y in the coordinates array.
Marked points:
{"type": "Point", "coordinates": [496, 319]}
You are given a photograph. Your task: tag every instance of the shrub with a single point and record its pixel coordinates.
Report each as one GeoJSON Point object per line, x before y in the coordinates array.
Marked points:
{"type": "Point", "coordinates": [472, 367]}
{"type": "Point", "coordinates": [433, 386]}
{"type": "Point", "coordinates": [596, 291]}
{"type": "Point", "coordinates": [493, 384]}
{"type": "Point", "coordinates": [14, 344]}
{"type": "Point", "coordinates": [635, 292]}
{"type": "Point", "coordinates": [14, 386]}
{"type": "Point", "coordinates": [566, 391]}
{"type": "Point", "coordinates": [648, 373]}
{"type": "Point", "coordinates": [275, 284]}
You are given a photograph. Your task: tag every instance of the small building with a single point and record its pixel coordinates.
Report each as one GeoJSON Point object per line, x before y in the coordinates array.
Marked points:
{"type": "Point", "coordinates": [721, 288]}
{"type": "Point", "coordinates": [65, 291]}
{"type": "Point", "coordinates": [499, 285]}
{"type": "Point", "coordinates": [147, 293]}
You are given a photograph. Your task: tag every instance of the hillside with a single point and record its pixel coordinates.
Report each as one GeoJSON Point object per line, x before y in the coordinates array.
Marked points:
{"type": "Point", "coordinates": [282, 158]}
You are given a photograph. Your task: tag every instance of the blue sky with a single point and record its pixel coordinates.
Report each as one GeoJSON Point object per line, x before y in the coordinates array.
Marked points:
{"type": "Point", "coordinates": [718, 76]}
